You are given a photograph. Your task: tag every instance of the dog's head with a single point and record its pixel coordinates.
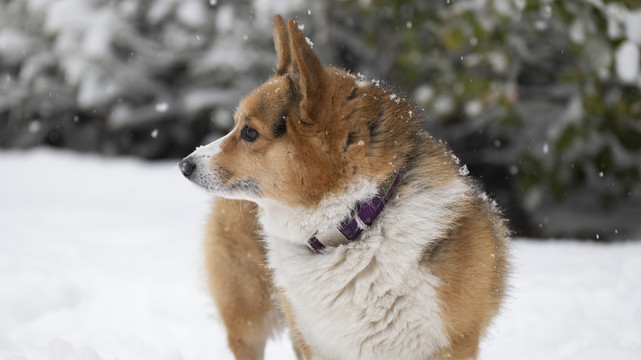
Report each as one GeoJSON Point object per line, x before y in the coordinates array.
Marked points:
{"type": "Point", "coordinates": [306, 132]}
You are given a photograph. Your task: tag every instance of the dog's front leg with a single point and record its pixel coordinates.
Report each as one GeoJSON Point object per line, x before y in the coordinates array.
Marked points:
{"type": "Point", "coordinates": [239, 279]}
{"type": "Point", "coordinates": [302, 349]}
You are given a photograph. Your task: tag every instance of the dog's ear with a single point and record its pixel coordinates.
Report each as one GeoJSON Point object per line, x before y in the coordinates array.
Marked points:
{"type": "Point", "coordinates": [312, 77]}
{"type": "Point", "coordinates": [281, 43]}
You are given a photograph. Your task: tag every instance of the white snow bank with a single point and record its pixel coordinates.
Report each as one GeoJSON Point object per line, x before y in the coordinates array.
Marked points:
{"type": "Point", "coordinates": [102, 259]}
{"type": "Point", "coordinates": [571, 300]}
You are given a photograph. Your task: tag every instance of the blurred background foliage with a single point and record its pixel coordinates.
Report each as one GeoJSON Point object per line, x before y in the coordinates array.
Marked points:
{"type": "Point", "coordinates": [541, 99]}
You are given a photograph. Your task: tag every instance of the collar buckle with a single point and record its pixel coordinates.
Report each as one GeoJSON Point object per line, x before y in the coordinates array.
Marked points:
{"type": "Point", "coordinates": [360, 219]}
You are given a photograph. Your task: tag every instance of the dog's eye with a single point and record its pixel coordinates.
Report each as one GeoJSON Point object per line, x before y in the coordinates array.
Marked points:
{"type": "Point", "coordinates": [248, 133]}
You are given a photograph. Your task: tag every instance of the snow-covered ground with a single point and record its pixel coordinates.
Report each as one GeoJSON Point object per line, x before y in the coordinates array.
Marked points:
{"type": "Point", "coordinates": [102, 259]}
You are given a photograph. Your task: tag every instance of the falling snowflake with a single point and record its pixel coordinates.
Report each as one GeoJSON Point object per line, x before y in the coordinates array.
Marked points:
{"type": "Point", "coordinates": [162, 107]}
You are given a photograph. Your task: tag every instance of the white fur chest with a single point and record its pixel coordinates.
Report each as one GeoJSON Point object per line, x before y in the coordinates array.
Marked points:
{"type": "Point", "coordinates": [369, 299]}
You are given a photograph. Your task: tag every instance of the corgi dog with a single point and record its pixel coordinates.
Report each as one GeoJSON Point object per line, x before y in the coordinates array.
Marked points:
{"type": "Point", "coordinates": [337, 213]}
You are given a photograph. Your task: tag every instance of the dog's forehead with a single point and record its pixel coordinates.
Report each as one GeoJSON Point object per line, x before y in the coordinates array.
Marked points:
{"type": "Point", "coordinates": [270, 88]}
{"type": "Point", "coordinates": [268, 97]}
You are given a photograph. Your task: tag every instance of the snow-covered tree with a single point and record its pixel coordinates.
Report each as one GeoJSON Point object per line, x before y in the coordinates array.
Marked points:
{"type": "Point", "coordinates": [145, 77]}
{"type": "Point", "coordinates": [541, 99]}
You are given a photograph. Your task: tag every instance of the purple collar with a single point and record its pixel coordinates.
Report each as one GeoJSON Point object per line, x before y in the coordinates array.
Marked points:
{"type": "Point", "coordinates": [352, 226]}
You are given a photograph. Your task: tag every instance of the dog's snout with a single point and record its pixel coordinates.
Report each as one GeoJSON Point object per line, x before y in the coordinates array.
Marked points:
{"type": "Point", "coordinates": [187, 166]}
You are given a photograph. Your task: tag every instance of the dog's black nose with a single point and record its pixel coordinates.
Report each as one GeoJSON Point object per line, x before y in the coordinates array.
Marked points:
{"type": "Point", "coordinates": [187, 167]}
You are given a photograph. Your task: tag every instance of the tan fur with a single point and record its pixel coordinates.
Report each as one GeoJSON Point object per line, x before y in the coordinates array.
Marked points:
{"type": "Point", "coordinates": [331, 140]}
{"type": "Point", "coordinates": [471, 264]}
{"type": "Point", "coordinates": [238, 277]}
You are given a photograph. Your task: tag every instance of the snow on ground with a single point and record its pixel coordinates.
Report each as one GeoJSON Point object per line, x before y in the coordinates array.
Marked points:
{"type": "Point", "coordinates": [102, 259]}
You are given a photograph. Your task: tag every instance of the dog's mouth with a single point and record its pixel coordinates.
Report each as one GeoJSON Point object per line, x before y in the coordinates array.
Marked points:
{"type": "Point", "coordinates": [217, 180]}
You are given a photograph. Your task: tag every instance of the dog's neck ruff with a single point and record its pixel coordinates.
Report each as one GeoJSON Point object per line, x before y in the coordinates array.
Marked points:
{"type": "Point", "coordinates": [360, 219]}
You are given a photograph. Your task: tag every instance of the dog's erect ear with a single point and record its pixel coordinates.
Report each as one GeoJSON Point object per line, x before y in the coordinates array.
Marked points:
{"type": "Point", "coordinates": [312, 77]}
{"type": "Point", "coordinates": [281, 43]}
